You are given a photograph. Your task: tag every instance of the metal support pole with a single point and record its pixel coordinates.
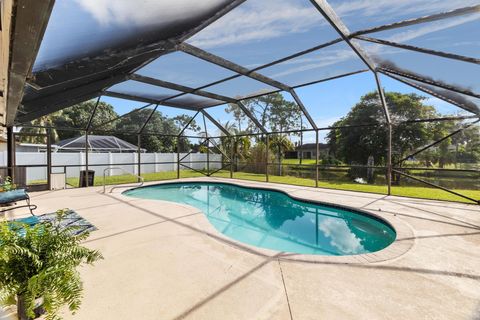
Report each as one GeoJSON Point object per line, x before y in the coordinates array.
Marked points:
{"type": "Point", "coordinates": [388, 122]}
{"type": "Point", "coordinates": [178, 157]}
{"type": "Point", "coordinates": [208, 157]}
{"type": "Point", "coordinates": [317, 151]}
{"type": "Point", "coordinates": [389, 160]}
{"type": "Point", "coordinates": [86, 158]}
{"type": "Point", "coordinates": [139, 156]}
{"type": "Point", "coordinates": [301, 144]}
{"type": "Point", "coordinates": [49, 158]}
{"type": "Point", "coordinates": [10, 153]}
{"type": "Point", "coordinates": [232, 155]}
{"type": "Point", "coordinates": [267, 144]}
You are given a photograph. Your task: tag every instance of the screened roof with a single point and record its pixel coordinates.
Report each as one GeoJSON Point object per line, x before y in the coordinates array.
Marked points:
{"type": "Point", "coordinates": [197, 55]}
{"type": "Point", "coordinates": [96, 144]}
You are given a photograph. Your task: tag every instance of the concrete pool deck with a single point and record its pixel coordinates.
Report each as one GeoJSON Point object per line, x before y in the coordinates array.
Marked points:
{"type": "Point", "coordinates": [164, 261]}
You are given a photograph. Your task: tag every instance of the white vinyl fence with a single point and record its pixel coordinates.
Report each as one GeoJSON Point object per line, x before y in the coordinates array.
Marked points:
{"type": "Point", "coordinates": [99, 161]}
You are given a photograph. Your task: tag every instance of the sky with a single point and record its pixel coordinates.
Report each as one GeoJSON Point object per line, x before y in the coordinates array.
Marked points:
{"type": "Point", "coordinates": [261, 31]}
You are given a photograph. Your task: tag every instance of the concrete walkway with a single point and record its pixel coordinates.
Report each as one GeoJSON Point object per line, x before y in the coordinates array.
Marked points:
{"type": "Point", "coordinates": [165, 261]}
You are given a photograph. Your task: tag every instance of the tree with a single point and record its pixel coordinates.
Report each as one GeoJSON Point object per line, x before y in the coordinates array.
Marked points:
{"type": "Point", "coordinates": [36, 133]}
{"type": "Point", "coordinates": [158, 123]}
{"type": "Point", "coordinates": [38, 266]}
{"type": "Point", "coordinates": [274, 113]}
{"type": "Point", "coordinates": [355, 145]}
{"type": "Point", "coordinates": [77, 116]}
{"type": "Point", "coordinates": [238, 143]}
{"type": "Point", "coordinates": [280, 143]}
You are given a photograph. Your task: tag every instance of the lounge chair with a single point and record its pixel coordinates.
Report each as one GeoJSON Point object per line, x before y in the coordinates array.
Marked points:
{"type": "Point", "coordinates": [12, 197]}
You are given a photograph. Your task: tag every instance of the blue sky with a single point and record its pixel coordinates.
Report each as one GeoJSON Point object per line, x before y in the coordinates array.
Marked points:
{"type": "Point", "coordinates": [261, 31]}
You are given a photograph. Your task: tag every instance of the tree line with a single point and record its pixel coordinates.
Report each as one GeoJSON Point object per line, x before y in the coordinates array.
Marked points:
{"type": "Point", "coordinates": [364, 132]}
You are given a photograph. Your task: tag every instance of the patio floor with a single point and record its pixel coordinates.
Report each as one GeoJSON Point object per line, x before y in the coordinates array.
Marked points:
{"type": "Point", "coordinates": [164, 261]}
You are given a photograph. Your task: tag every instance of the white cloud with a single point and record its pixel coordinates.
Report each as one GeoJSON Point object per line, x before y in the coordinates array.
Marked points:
{"type": "Point", "coordinates": [259, 20]}
{"type": "Point", "coordinates": [341, 236]}
{"type": "Point", "coordinates": [144, 12]}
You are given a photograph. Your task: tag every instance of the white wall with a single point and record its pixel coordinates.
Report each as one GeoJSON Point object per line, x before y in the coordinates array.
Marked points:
{"type": "Point", "coordinates": [99, 161]}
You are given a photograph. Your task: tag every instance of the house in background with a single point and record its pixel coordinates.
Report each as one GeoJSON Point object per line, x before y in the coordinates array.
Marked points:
{"type": "Point", "coordinates": [309, 150]}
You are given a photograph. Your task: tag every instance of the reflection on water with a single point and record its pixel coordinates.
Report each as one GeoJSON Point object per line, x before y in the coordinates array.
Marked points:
{"type": "Point", "coordinates": [275, 221]}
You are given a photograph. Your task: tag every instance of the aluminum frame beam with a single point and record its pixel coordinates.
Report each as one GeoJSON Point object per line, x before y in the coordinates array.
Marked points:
{"type": "Point", "coordinates": [148, 119]}
{"type": "Point", "coordinates": [48, 104]}
{"type": "Point", "coordinates": [215, 122]}
{"type": "Point", "coordinates": [437, 142]}
{"type": "Point", "coordinates": [429, 18]}
{"type": "Point", "coordinates": [122, 116]}
{"type": "Point", "coordinates": [178, 87]}
{"type": "Point", "coordinates": [94, 111]}
{"type": "Point", "coordinates": [224, 63]}
{"type": "Point", "coordinates": [329, 14]}
{"type": "Point", "coordinates": [388, 71]}
{"type": "Point", "coordinates": [251, 116]}
{"type": "Point", "coordinates": [432, 93]}
{"type": "Point", "coordinates": [152, 101]}
{"type": "Point", "coordinates": [303, 109]}
{"type": "Point", "coordinates": [420, 49]}
{"type": "Point", "coordinates": [188, 123]}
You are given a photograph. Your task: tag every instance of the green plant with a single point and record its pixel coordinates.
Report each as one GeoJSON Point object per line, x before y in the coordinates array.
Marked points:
{"type": "Point", "coordinates": [38, 267]}
{"type": "Point", "coordinates": [8, 185]}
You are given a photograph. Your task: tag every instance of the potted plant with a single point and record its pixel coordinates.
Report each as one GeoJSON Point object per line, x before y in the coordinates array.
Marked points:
{"type": "Point", "coordinates": [7, 184]}
{"type": "Point", "coordinates": [38, 267]}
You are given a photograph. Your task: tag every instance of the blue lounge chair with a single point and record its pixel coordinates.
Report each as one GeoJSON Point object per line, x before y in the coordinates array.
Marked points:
{"type": "Point", "coordinates": [12, 197]}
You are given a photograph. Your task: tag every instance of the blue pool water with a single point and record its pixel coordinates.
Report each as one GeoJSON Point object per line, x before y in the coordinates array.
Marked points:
{"type": "Point", "coordinates": [273, 220]}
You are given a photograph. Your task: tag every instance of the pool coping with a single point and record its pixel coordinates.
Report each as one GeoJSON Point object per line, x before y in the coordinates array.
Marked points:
{"type": "Point", "coordinates": [403, 242]}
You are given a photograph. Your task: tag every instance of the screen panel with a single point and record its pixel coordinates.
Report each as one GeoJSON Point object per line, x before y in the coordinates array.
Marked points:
{"type": "Point", "coordinates": [359, 15]}
{"type": "Point", "coordinates": [184, 69]}
{"type": "Point", "coordinates": [261, 31]}
{"type": "Point", "coordinates": [143, 90]}
{"type": "Point", "coordinates": [455, 35]}
{"type": "Point", "coordinates": [452, 72]}
{"type": "Point", "coordinates": [327, 62]}
{"type": "Point", "coordinates": [240, 88]}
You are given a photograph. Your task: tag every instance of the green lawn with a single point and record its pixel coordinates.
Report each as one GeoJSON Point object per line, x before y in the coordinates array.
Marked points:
{"type": "Point", "coordinates": [406, 191]}
{"type": "Point", "coordinates": [297, 161]}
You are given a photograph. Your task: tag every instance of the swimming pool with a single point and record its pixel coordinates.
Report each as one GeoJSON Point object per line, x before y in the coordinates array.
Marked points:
{"type": "Point", "coordinates": [273, 220]}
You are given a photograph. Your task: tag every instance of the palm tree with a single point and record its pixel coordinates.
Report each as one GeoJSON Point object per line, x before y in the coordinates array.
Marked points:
{"type": "Point", "coordinates": [280, 143]}
{"type": "Point", "coordinates": [236, 144]}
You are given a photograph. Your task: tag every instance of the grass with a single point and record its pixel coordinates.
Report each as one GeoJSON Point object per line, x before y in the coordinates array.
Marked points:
{"type": "Point", "coordinates": [297, 161]}
{"type": "Point", "coordinates": [405, 191]}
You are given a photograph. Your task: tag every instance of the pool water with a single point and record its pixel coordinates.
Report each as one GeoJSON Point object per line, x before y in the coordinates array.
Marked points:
{"type": "Point", "coordinates": [273, 220]}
